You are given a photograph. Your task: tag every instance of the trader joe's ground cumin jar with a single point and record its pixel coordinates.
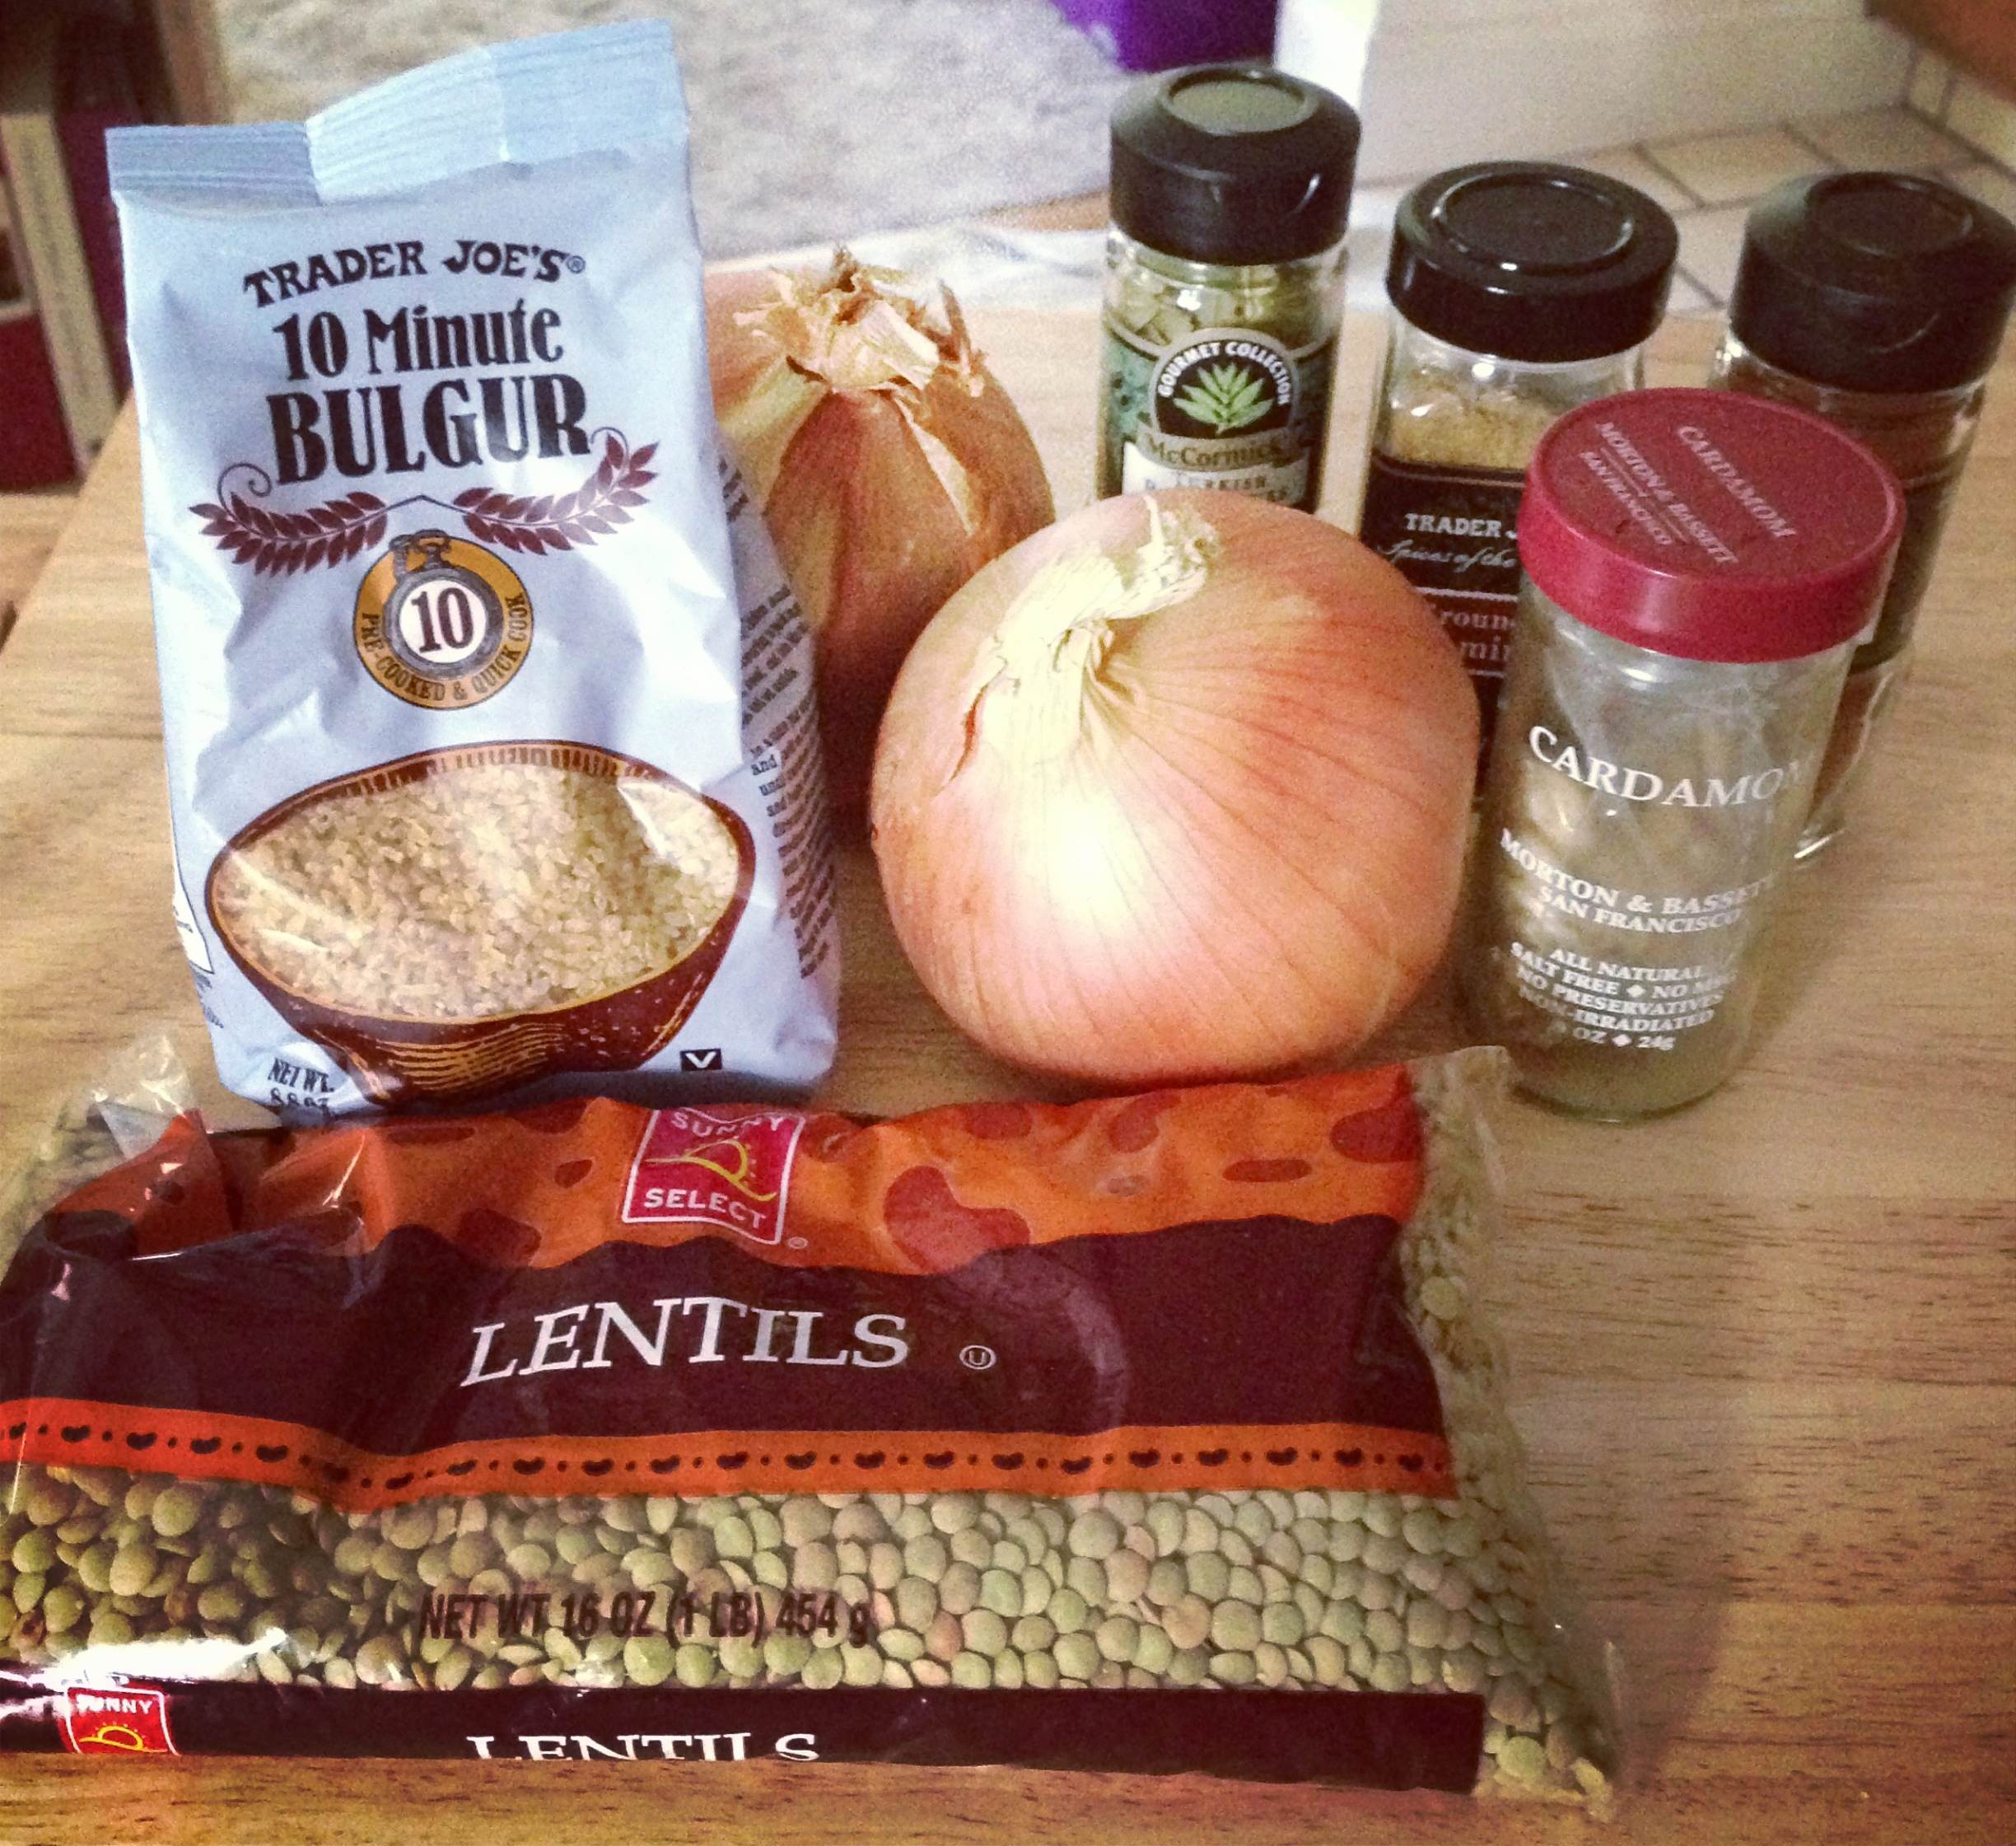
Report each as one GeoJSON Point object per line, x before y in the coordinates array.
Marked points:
{"type": "Point", "coordinates": [1698, 567]}
{"type": "Point", "coordinates": [1519, 289]}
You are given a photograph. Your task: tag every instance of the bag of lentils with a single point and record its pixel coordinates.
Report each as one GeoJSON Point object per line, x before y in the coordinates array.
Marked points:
{"type": "Point", "coordinates": [707, 1433]}
{"type": "Point", "coordinates": [488, 714]}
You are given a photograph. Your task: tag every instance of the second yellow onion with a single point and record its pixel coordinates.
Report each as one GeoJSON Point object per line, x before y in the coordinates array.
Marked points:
{"type": "Point", "coordinates": [888, 463]}
{"type": "Point", "coordinates": [1176, 789]}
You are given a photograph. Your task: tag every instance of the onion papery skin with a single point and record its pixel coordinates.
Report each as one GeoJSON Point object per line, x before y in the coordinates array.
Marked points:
{"type": "Point", "coordinates": [885, 486]}
{"type": "Point", "coordinates": [1217, 840]}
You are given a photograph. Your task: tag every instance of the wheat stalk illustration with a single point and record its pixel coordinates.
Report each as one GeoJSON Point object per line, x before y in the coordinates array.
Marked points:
{"type": "Point", "coordinates": [279, 544]}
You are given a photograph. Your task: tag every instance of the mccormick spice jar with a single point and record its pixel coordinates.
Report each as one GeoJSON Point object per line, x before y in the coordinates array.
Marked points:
{"type": "Point", "coordinates": [1699, 566]}
{"type": "Point", "coordinates": [1225, 280]}
{"type": "Point", "coordinates": [1519, 290]}
{"type": "Point", "coordinates": [1878, 300]}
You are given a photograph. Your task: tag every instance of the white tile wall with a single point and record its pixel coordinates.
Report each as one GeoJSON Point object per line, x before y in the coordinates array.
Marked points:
{"type": "Point", "coordinates": [1629, 165]}
{"type": "Point", "coordinates": [1977, 115]}
{"type": "Point", "coordinates": [1688, 298]}
{"type": "Point", "coordinates": [1941, 123]}
{"type": "Point", "coordinates": [1723, 169]}
{"type": "Point", "coordinates": [1709, 243]}
{"type": "Point", "coordinates": [1935, 120]}
{"type": "Point", "coordinates": [1892, 138]}
{"type": "Point", "coordinates": [1945, 123]}
{"type": "Point", "coordinates": [1931, 83]}
{"type": "Point", "coordinates": [1442, 81]}
{"type": "Point", "coordinates": [1992, 185]}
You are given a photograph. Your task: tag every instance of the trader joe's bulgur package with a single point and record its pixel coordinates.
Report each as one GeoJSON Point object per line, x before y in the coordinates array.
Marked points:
{"type": "Point", "coordinates": [488, 714]}
{"type": "Point", "coordinates": [731, 1431]}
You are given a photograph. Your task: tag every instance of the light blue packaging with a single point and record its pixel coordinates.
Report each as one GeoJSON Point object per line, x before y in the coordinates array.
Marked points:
{"type": "Point", "coordinates": [488, 714]}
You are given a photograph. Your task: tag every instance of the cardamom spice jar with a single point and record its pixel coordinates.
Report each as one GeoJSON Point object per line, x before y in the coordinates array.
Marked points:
{"type": "Point", "coordinates": [1878, 301]}
{"type": "Point", "coordinates": [1698, 567]}
{"type": "Point", "coordinates": [1519, 290]}
{"type": "Point", "coordinates": [1224, 282]}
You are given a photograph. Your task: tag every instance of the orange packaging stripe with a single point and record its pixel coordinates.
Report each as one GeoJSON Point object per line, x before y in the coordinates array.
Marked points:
{"type": "Point", "coordinates": [199, 1446]}
{"type": "Point", "coordinates": [538, 1187]}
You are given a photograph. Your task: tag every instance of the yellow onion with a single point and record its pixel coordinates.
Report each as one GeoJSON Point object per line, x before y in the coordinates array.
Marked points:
{"type": "Point", "coordinates": [1176, 789]}
{"type": "Point", "coordinates": [888, 464]}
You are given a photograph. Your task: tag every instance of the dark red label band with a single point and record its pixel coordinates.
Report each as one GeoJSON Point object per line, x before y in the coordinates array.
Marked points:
{"type": "Point", "coordinates": [1268, 1352]}
{"type": "Point", "coordinates": [1401, 1740]}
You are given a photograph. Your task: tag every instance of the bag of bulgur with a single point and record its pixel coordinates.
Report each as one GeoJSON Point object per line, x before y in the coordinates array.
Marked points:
{"type": "Point", "coordinates": [488, 713]}
{"type": "Point", "coordinates": [722, 1432]}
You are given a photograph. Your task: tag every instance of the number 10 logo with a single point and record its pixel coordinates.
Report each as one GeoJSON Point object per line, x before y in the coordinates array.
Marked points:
{"type": "Point", "coordinates": [441, 622]}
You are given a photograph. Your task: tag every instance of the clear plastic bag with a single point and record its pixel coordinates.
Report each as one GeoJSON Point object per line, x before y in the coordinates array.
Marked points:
{"type": "Point", "coordinates": [122, 1113]}
{"type": "Point", "coordinates": [595, 1431]}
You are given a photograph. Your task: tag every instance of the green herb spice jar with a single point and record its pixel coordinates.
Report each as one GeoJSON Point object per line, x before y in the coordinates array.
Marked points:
{"type": "Point", "coordinates": [1225, 280]}
{"type": "Point", "coordinates": [1519, 290]}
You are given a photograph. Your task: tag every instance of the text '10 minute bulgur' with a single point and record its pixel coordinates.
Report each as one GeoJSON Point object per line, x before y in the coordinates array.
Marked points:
{"type": "Point", "coordinates": [597, 1431]}
{"type": "Point", "coordinates": [491, 751]}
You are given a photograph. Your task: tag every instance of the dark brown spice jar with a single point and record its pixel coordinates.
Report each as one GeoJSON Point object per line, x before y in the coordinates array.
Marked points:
{"type": "Point", "coordinates": [1877, 301]}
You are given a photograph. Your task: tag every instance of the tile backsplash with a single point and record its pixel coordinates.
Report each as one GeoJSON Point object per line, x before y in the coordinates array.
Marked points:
{"type": "Point", "coordinates": [1935, 122]}
{"type": "Point", "coordinates": [1728, 99]}
{"type": "Point", "coordinates": [1992, 185]}
{"type": "Point", "coordinates": [1977, 115]}
{"type": "Point", "coordinates": [1711, 241]}
{"type": "Point", "coordinates": [1895, 138]}
{"type": "Point", "coordinates": [1945, 123]}
{"type": "Point", "coordinates": [1726, 169]}
{"type": "Point", "coordinates": [1442, 81]}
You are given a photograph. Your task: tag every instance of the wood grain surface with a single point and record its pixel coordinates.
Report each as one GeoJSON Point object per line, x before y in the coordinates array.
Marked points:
{"type": "Point", "coordinates": [1763, 1348]}
{"type": "Point", "coordinates": [29, 526]}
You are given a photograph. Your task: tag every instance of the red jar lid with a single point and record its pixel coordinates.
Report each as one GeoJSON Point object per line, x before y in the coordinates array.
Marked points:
{"type": "Point", "coordinates": [1710, 525]}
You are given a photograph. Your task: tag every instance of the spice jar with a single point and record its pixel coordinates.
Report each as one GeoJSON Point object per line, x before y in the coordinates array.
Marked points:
{"type": "Point", "coordinates": [1224, 282]}
{"type": "Point", "coordinates": [1878, 300]}
{"type": "Point", "coordinates": [1519, 290]}
{"type": "Point", "coordinates": [1698, 566]}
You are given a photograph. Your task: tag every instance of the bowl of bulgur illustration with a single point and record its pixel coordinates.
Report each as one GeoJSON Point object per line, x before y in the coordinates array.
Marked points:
{"type": "Point", "coordinates": [463, 920]}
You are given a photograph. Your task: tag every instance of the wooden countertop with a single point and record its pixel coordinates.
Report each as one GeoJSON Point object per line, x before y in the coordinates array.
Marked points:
{"type": "Point", "coordinates": [29, 526]}
{"type": "Point", "coordinates": [1763, 1348]}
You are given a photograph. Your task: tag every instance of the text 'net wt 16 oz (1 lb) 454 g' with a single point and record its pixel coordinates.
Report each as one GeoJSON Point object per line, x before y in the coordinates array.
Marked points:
{"type": "Point", "coordinates": [590, 1430]}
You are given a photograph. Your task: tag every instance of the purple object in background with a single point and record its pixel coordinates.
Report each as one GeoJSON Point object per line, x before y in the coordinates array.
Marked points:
{"type": "Point", "coordinates": [1159, 35]}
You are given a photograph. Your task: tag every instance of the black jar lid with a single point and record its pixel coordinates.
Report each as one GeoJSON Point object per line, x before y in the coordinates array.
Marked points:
{"type": "Point", "coordinates": [1874, 282]}
{"type": "Point", "coordinates": [1525, 259]}
{"type": "Point", "coordinates": [1233, 163]}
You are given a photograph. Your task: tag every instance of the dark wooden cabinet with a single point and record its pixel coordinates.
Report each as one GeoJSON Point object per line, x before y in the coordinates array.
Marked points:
{"type": "Point", "coordinates": [1978, 36]}
{"type": "Point", "coordinates": [184, 33]}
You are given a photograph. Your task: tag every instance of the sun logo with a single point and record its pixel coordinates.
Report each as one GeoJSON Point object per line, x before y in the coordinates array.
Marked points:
{"type": "Point", "coordinates": [114, 1737]}
{"type": "Point", "coordinates": [730, 1168]}
{"type": "Point", "coordinates": [729, 1161]}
